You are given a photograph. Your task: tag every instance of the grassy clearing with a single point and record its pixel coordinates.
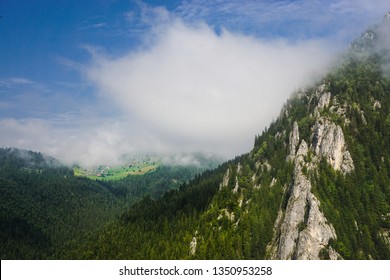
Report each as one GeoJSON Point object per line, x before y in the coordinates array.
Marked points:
{"type": "Point", "coordinates": [108, 173]}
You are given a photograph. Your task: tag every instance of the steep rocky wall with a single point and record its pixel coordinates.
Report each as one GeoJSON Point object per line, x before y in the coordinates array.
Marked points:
{"type": "Point", "coordinates": [304, 230]}
{"type": "Point", "coordinates": [301, 230]}
{"type": "Point", "coordinates": [328, 142]}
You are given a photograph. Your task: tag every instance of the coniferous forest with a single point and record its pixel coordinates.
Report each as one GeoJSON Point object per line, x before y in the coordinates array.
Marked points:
{"type": "Point", "coordinates": [239, 210]}
{"type": "Point", "coordinates": [46, 210]}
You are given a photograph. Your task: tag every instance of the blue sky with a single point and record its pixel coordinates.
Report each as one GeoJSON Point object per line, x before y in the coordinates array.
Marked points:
{"type": "Point", "coordinates": [87, 81]}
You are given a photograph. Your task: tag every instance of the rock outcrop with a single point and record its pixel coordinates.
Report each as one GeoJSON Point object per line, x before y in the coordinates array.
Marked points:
{"type": "Point", "coordinates": [193, 246]}
{"type": "Point", "coordinates": [324, 100]}
{"type": "Point", "coordinates": [303, 231]}
{"type": "Point", "coordinates": [225, 180]}
{"type": "Point", "coordinates": [294, 141]}
{"type": "Point", "coordinates": [328, 142]}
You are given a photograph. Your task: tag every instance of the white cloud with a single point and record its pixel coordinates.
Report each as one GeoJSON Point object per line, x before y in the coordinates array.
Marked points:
{"type": "Point", "coordinates": [190, 91]}
{"type": "Point", "coordinates": [88, 144]}
{"type": "Point", "coordinates": [196, 90]}
{"type": "Point", "coordinates": [340, 20]}
{"type": "Point", "coordinates": [14, 82]}
{"type": "Point", "coordinates": [186, 89]}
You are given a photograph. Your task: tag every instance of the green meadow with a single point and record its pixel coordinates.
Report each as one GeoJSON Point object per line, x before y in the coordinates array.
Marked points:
{"type": "Point", "coordinates": [109, 173]}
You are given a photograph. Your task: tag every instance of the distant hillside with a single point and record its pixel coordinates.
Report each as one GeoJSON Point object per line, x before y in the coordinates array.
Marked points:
{"type": "Point", "coordinates": [46, 211]}
{"type": "Point", "coordinates": [43, 206]}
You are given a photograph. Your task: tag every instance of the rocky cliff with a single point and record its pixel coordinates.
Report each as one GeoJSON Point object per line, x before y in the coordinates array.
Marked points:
{"type": "Point", "coordinates": [301, 230]}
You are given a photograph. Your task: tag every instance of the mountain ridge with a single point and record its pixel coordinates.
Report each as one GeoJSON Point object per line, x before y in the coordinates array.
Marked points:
{"type": "Point", "coordinates": [301, 229]}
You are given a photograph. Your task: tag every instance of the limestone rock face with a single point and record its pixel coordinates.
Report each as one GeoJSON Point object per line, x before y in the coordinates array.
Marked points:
{"type": "Point", "coordinates": [347, 163]}
{"type": "Point", "coordinates": [317, 232]}
{"type": "Point", "coordinates": [328, 141]}
{"type": "Point", "coordinates": [304, 230]}
{"type": "Point", "coordinates": [377, 104]}
{"type": "Point", "coordinates": [294, 140]}
{"type": "Point", "coordinates": [295, 210]}
{"type": "Point", "coordinates": [324, 100]}
{"type": "Point", "coordinates": [301, 230]}
{"type": "Point", "coordinates": [237, 186]}
{"type": "Point", "coordinates": [225, 180]}
{"type": "Point", "coordinates": [302, 151]}
{"type": "Point", "coordinates": [193, 246]}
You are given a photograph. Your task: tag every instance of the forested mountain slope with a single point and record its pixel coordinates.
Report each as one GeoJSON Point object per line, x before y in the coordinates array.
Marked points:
{"type": "Point", "coordinates": [44, 207]}
{"type": "Point", "coordinates": [46, 211]}
{"type": "Point", "coordinates": [315, 186]}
